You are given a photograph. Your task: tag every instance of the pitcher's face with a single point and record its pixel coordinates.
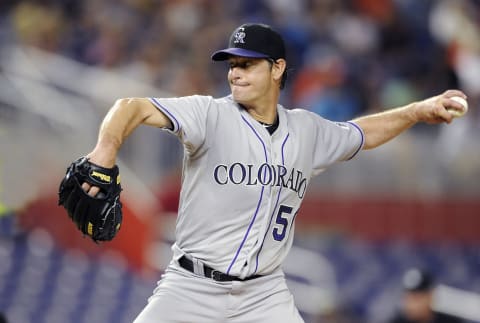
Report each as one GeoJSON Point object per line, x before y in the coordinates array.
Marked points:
{"type": "Point", "coordinates": [250, 79]}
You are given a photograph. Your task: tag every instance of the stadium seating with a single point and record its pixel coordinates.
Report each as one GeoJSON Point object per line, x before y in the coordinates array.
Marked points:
{"type": "Point", "coordinates": [39, 282]}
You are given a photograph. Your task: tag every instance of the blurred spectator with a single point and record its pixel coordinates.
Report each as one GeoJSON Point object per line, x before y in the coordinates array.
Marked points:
{"type": "Point", "coordinates": [417, 300]}
{"type": "Point", "coordinates": [39, 25]}
{"type": "Point", "coordinates": [323, 86]}
{"type": "Point", "coordinates": [3, 319]}
{"type": "Point", "coordinates": [346, 56]}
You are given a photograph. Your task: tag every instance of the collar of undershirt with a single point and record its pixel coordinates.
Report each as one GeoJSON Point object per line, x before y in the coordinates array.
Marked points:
{"type": "Point", "coordinates": [271, 127]}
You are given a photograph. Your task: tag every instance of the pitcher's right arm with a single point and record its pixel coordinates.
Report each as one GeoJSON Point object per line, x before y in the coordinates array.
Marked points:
{"type": "Point", "coordinates": [121, 120]}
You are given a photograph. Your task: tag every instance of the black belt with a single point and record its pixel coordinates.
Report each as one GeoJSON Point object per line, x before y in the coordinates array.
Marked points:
{"type": "Point", "coordinates": [212, 273]}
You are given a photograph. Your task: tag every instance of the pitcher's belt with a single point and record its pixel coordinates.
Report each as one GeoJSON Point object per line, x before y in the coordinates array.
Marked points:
{"type": "Point", "coordinates": [209, 272]}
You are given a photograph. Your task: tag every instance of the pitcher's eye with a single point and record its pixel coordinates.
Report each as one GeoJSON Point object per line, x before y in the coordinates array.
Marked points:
{"type": "Point", "coordinates": [242, 65]}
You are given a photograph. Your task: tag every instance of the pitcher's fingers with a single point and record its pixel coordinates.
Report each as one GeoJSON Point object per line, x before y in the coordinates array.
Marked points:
{"type": "Point", "coordinates": [89, 189]}
{"type": "Point", "coordinates": [452, 93]}
{"type": "Point", "coordinates": [93, 190]}
{"type": "Point", "coordinates": [86, 186]}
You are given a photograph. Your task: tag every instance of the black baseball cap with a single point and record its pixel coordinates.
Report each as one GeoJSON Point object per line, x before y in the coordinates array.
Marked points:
{"type": "Point", "coordinates": [417, 280]}
{"type": "Point", "coordinates": [253, 40]}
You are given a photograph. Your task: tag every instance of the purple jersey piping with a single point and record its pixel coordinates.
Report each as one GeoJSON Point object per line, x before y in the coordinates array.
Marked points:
{"type": "Point", "coordinates": [273, 213]}
{"type": "Point", "coordinates": [362, 142]}
{"type": "Point", "coordinates": [169, 114]}
{"type": "Point", "coordinates": [258, 204]}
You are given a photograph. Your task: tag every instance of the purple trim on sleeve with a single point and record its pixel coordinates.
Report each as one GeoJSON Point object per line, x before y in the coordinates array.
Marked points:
{"type": "Point", "coordinates": [274, 209]}
{"type": "Point", "coordinates": [362, 142]}
{"type": "Point", "coordinates": [176, 124]}
{"type": "Point", "coordinates": [258, 204]}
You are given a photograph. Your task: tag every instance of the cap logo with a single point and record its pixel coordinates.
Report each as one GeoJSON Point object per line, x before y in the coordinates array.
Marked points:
{"type": "Point", "coordinates": [239, 36]}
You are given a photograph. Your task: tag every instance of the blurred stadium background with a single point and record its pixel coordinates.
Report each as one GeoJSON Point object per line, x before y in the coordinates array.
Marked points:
{"type": "Point", "coordinates": [415, 201]}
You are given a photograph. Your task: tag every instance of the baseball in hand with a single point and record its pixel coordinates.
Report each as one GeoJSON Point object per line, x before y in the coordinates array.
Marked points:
{"type": "Point", "coordinates": [457, 113]}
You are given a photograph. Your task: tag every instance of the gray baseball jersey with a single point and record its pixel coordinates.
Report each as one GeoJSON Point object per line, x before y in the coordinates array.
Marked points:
{"type": "Point", "coordinates": [241, 186]}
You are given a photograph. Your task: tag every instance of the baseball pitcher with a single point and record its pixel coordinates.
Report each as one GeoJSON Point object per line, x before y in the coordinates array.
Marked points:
{"type": "Point", "coordinates": [247, 165]}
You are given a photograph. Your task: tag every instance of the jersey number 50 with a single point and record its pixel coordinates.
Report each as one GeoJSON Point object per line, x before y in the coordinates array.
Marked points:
{"type": "Point", "coordinates": [280, 230]}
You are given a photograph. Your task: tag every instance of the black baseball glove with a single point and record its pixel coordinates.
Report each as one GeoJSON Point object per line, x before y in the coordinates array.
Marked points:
{"type": "Point", "coordinates": [100, 216]}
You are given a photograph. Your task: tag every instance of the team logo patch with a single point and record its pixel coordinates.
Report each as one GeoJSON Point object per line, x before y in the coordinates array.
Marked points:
{"type": "Point", "coordinates": [239, 36]}
{"type": "Point", "coordinates": [343, 125]}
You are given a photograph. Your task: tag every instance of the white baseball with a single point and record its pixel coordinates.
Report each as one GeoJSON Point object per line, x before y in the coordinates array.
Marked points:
{"type": "Point", "coordinates": [457, 113]}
